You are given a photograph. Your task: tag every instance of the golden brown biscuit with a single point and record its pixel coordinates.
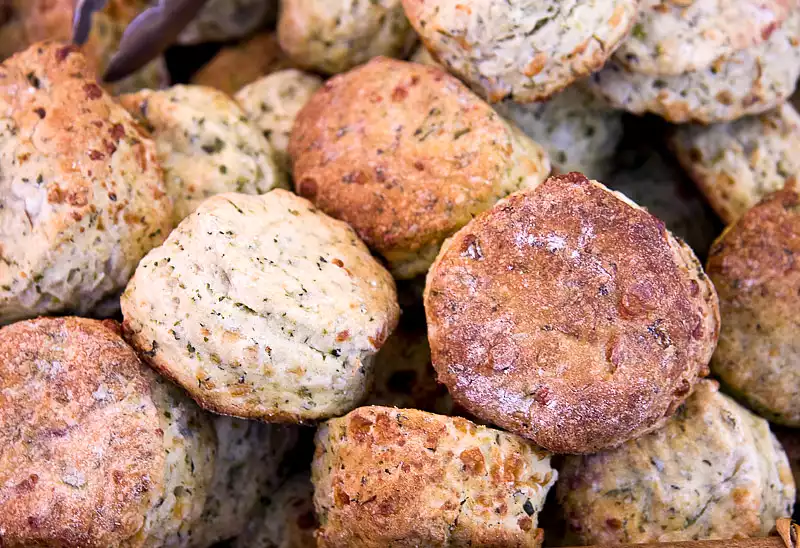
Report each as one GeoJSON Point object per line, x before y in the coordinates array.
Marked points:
{"type": "Point", "coordinates": [754, 266]}
{"type": "Point", "coordinates": [81, 192]}
{"type": "Point", "coordinates": [407, 155]}
{"type": "Point", "coordinates": [236, 66]}
{"type": "Point", "coordinates": [714, 471]}
{"type": "Point", "coordinates": [96, 450]}
{"type": "Point", "coordinates": [402, 477]}
{"type": "Point", "coordinates": [571, 316]}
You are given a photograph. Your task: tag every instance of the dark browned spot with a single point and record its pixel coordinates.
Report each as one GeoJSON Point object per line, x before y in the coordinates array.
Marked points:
{"type": "Point", "coordinates": [117, 132]}
{"type": "Point", "coordinates": [473, 461]}
{"type": "Point", "coordinates": [27, 484]}
{"type": "Point", "coordinates": [399, 94]}
{"type": "Point", "coordinates": [96, 155]}
{"type": "Point", "coordinates": [359, 428]}
{"type": "Point", "coordinates": [525, 523]}
{"type": "Point", "coordinates": [307, 188]}
{"type": "Point", "coordinates": [342, 336]}
{"type": "Point", "coordinates": [63, 53]}
{"type": "Point", "coordinates": [613, 523]}
{"type": "Point", "coordinates": [40, 112]}
{"type": "Point", "coordinates": [93, 91]}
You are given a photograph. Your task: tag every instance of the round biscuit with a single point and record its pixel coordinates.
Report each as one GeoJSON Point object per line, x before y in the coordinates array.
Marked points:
{"type": "Point", "coordinates": [407, 155]}
{"type": "Point", "coordinates": [570, 316]}
{"type": "Point", "coordinates": [272, 104]}
{"type": "Point", "coordinates": [715, 471]}
{"type": "Point", "coordinates": [521, 51]}
{"type": "Point", "coordinates": [206, 145]}
{"type": "Point", "coordinates": [333, 36]}
{"type": "Point", "coordinates": [262, 307]}
{"type": "Point", "coordinates": [737, 164]}
{"type": "Point", "coordinates": [750, 81]}
{"type": "Point", "coordinates": [671, 38]}
{"type": "Point", "coordinates": [81, 192]}
{"type": "Point", "coordinates": [238, 65]}
{"type": "Point", "coordinates": [97, 451]}
{"type": "Point", "coordinates": [402, 477]}
{"type": "Point", "coordinates": [754, 269]}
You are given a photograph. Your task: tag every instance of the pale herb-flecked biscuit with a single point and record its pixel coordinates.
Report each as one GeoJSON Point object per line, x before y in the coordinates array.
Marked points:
{"type": "Point", "coordinates": [206, 145]}
{"type": "Point", "coordinates": [755, 268]}
{"type": "Point", "coordinates": [81, 193]}
{"type": "Point", "coordinates": [407, 155]}
{"type": "Point", "coordinates": [578, 131]}
{"type": "Point", "coordinates": [332, 36]}
{"type": "Point", "coordinates": [402, 477]}
{"type": "Point", "coordinates": [236, 66]}
{"type": "Point", "coordinates": [262, 307]}
{"type": "Point", "coordinates": [569, 315]}
{"type": "Point", "coordinates": [97, 450]}
{"type": "Point", "coordinates": [676, 36]}
{"type": "Point", "coordinates": [404, 375]}
{"type": "Point", "coordinates": [247, 469]}
{"type": "Point", "coordinates": [221, 20]}
{"type": "Point", "coordinates": [272, 104]}
{"type": "Point", "coordinates": [653, 180]}
{"type": "Point", "coordinates": [523, 51]}
{"type": "Point", "coordinates": [748, 82]}
{"type": "Point", "coordinates": [790, 441]}
{"type": "Point", "coordinates": [738, 163]}
{"type": "Point", "coordinates": [715, 471]}
{"type": "Point", "coordinates": [288, 519]}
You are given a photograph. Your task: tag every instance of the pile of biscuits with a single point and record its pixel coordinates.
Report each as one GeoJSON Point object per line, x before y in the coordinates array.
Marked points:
{"type": "Point", "coordinates": [341, 289]}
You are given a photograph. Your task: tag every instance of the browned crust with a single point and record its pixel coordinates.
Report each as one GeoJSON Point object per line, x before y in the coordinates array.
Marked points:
{"type": "Point", "coordinates": [404, 153]}
{"type": "Point", "coordinates": [82, 448]}
{"type": "Point", "coordinates": [388, 475]}
{"type": "Point", "coordinates": [567, 316]}
{"type": "Point", "coordinates": [236, 66]}
{"type": "Point", "coordinates": [754, 265]}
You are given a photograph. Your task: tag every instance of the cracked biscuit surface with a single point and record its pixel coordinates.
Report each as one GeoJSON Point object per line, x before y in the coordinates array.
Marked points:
{"type": "Point", "coordinates": [401, 477]}
{"type": "Point", "coordinates": [569, 315]}
{"type": "Point", "coordinates": [97, 450]}
{"type": "Point", "coordinates": [82, 197]}
{"type": "Point", "coordinates": [523, 51]}
{"type": "Point", "coordinates": [262, 307]}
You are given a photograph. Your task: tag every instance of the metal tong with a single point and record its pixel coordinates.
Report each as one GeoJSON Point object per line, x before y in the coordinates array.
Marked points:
{"type": "Point", "coordinates": [147, 36]}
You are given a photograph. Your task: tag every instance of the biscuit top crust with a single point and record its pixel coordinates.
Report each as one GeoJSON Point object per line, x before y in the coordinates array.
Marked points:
{"type": "Point", "coordinates": [676, 36]}
{"type": "Point", "coordinates": [404, 153]}
{"type": "Point", "coordinates": [81, 445]}
{"type": "Point", "coordinates": [77, 174]}
{"type": "Point", "coordinates": [755, 257]}
{"type": "Point", "coordinates": [569, 315]}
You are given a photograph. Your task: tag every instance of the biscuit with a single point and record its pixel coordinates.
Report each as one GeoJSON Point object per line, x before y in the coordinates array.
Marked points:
{"type": "Point", "coordinates": [206, 145]}
{"type": "Point", "coordinates": [753, 267]}
{"type": "Point", "coordinates": [288, 519]}
{"type": "Point", "coordinates": [570, 316]}
{"type": "Point", "coordinates": [671, 38]}
{"type": "Point", "coordinates": [578, 131]}
{"type": "Point", "coordinates": [714, 471]}
{"type": "Point", "coordinates": [407, 155]}
{"type": "Point", "coordinates": [97, 451]}
{"type": "Point", "coordinates": [402, 477]}
{"type": "Point", "coordinates": [404, 375]}
{"type": "Point", "coordinates": [790, 442]}
{"type": "Point", "coordinates": [748, 82]}
{"type": "Point", "coordinates": [81, 193]}
{"type": "Point", "coordinates": [272, 104]}
{"type": "Point", "coordinates": [247, 468]}
{"type": "Point", "coordinates": [654, 180]}
{"type": "Point", "coordinates": [262, 307]}
{"type": "Point", "coordinates": [236, 66]}
{"type": "Point", "coordinates": [737, 164]}
{"type": "Point", "coordinates": [522, 51]}
{"type": "Point", "coordinates": [332, 36]}
{"type": "Point", "coordinates": [222, 20]}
